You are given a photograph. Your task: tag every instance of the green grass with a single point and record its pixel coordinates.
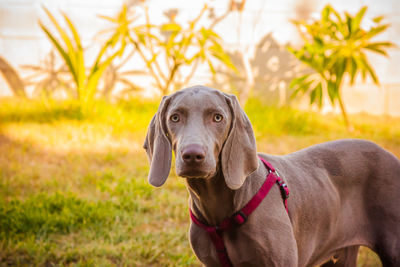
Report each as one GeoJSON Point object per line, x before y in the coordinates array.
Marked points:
{"type": "Point", "coordinates": [74, 191]}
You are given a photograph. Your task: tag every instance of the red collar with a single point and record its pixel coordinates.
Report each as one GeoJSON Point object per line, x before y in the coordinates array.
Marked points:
{"type": "Point", "coordinates": [240, 217]}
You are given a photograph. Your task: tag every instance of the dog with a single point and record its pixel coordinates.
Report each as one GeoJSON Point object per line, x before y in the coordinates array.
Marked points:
{"type": "Point", "coordinates": [343, 194]}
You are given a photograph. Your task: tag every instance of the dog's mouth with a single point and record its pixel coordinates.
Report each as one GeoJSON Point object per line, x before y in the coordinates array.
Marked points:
{"type": "Point", "coordinates": [194, 172]}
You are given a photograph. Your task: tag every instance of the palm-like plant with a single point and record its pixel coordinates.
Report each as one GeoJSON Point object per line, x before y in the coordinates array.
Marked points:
{"type": "Point", "coordinates": [166, 48]}
{"type": "Point", "coordinates": [190, 46]}
{"type": "Point", "coordinates": [71, 50]}
{"type": "Point", "coordinates": [334, 47]}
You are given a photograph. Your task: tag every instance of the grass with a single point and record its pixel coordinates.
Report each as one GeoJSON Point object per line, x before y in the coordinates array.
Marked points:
{"type": "Point", "coordinates": [74, 192]}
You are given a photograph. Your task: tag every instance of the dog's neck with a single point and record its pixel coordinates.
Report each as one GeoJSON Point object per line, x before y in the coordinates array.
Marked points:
{"type": "Point", "coordinates": [212, 200]}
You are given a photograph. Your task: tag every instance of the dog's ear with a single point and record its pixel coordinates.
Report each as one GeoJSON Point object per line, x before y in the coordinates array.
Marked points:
{"type": "Point", "coordinates": [158, 146]}
{"type": "Point", "coordinates": [239, 153]}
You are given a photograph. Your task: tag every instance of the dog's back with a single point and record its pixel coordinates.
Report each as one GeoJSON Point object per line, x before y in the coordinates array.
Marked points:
{"type": "Point", "coordinates": [345, 193]}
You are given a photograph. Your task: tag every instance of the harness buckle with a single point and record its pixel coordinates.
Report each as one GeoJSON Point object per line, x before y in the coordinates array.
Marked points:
{"type": "Point", "coordinates": [239, 218]}
{"type": "Point", "coordinates": [284, 189]}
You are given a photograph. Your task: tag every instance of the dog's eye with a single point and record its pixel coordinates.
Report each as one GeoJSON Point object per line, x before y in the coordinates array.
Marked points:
{"type": "Point", "coordinates": [174, 118]}
{"type": "Point", "coordinates": [217, 117]}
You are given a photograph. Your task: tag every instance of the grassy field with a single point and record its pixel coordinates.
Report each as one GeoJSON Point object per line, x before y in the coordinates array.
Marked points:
{"type": "Point", "coordinates": [73, 190]}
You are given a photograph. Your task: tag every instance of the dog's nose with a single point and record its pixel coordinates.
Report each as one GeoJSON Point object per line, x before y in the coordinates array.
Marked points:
{"type": "Point", "coordinates": [193, 154]}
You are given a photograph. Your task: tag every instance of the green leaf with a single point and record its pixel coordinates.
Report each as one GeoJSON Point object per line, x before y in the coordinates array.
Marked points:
{"type": "Point", "coordinates": [303, 86]}
{"type": "Point", "coordinates": [378, 19]}
{"type": "Point", "coordinates": [362, 67]}
{"type": "Point", "coordinates": [78, 51]}
{"type": "Point", "coordinates": [316, 95]}
{"type": "Point", "coordinates": [319, 94]}
{"type": "Point", "coordinates": [353, 69]}
{"type": "Point", "coordinates": [313, 95]}
{"type": "Point", "coordinates": [333, 91]}
{"type": "Point", "coordinates": [62, 52]}
{"type": "Point", "coordinates": [349, 22]}
{"type": "Point", "coordinates": [318, 41]}
{"type": "Point", "coordinates": [297, 81]}
{"type": "Point", "coordinates": [94, 76]}
{"type": "Point", "coordinates": [171, 27]}
{"type": "Point", "coordinates": [74, 32]}
{"type": "Point", "coordinates": [387, 44]}
{"type": "Point", "coordinates": [376, 50]}
{"type": "Point", "coordinates": [325, 13]}
{"type": "Point", "coordinates": [358, 18]}
{"type": "Point", "coordinates": [218, 52]}
{"type": "Point", "coordinates": [108, 18]}
{"type": "Point", "coordinates": [211, 67]}
{"type": "Point", "coordinates": [378, 47]}
{"type": "Point", "coordinates": [375, 31]}
{"type": "Point", "coordinates": [370, 70]}
{"type": "Point", "coordinates": [337, 15]}
{"type": "Point", "coordinates": [209, 33]}
{"type": "Point", "coordinates": [64, 36]}
{"type": "Point", "coordinates": [340, 67]}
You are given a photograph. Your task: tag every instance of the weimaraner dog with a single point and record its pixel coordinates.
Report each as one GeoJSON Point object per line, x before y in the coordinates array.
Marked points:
{"type": "Point", "coordinates": [343, 194]}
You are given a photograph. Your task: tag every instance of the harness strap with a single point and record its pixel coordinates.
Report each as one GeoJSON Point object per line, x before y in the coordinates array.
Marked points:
{"type": "Point", "coordinates": [282, 185]}
{"type": "Point", "coordinates": [216, 237]}
{"type": "Point", "coordinates": [240, 217]}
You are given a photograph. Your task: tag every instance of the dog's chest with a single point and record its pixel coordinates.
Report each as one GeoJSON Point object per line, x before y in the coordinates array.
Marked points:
{"type": "Point", "coordinates": [243, 248]}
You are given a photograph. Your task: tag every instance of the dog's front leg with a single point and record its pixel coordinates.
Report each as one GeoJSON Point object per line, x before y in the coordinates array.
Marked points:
{"type": "Point", "coordinates": [249, 246]}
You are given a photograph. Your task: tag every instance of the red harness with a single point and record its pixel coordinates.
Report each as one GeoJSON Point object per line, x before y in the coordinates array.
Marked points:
{"type": "Point", "coordinates": [240, 217]}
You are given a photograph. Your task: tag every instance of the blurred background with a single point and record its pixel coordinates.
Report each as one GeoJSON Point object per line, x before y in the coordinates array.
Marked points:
{"type": "Point", "coordinates": [81, 80]}
{"type": "Point", "coordinates": [256, 30]}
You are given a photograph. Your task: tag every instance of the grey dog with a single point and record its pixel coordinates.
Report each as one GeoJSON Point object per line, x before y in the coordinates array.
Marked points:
{"type": "Point", "coordinates": [344, 194]}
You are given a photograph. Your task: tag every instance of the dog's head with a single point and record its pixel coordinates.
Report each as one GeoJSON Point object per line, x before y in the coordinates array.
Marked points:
{"type": "Point", "coordinates": [208, 131]}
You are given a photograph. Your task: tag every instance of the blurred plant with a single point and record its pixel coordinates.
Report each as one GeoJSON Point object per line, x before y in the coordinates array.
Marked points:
{"type": "Point", "coordinates": [190, 46]}
{"type": "Point", "coordinates": [267, 67]}
{"type": "Point", "coordinates": [334, 47]}
{"type": "Point", "coordinates": [166, 48]}
{"type": "Point", "coordinates": [48, 77]}
{"type": "Point", "coordinates": [12, 78]}
{"type": "Point", "coordinates": [121, 33]}
{"type": "Point", "coordinates": [113, 75]}
{"type": "Point", "coordinates": [71, 51]}
{"type": "Point", "coordinates": [271, 68]}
